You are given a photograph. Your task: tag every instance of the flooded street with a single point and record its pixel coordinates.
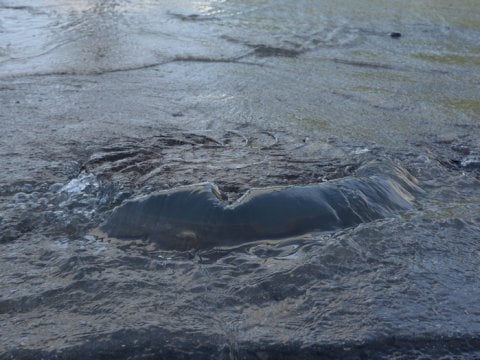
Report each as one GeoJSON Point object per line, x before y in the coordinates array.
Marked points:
{"type": "Point", "coordinates": [339, 143]}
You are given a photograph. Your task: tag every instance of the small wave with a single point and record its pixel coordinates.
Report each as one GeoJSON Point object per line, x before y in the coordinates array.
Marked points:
{"type": "Point", "coordinates": [195, 216]}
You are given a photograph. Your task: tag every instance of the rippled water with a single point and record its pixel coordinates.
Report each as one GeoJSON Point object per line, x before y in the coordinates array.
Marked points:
{"type": "Point", "coordinates": [105, 101]}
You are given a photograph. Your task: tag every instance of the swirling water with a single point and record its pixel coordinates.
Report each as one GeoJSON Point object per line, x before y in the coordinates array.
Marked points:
{"type": "Point", "coordinates": [101, 101]}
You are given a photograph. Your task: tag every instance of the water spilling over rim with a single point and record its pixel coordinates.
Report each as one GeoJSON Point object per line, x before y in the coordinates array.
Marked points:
{"type": "Point", "coordinates": [196, 216]}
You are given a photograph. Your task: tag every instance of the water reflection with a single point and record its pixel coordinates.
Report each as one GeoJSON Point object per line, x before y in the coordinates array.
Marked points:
{"type": "Point", "coordinates": [63, 36]}
{"type": "Point", "coordinates": [202, 7]}
{"type": "Point", "coordinates": [94, 35]}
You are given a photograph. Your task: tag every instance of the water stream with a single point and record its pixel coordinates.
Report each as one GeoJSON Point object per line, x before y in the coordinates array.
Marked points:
{"type": "Point", "coordinates": [107, 101]}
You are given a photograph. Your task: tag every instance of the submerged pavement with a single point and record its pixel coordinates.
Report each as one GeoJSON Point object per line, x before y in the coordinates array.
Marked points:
{"type": "Point", "coordinates": [102, 102]}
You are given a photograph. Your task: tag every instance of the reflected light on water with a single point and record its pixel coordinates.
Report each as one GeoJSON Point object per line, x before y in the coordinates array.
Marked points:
{"type": "Point", "coordinates": [208, 7]}
{"type": "Point", "coordinates": [203, 7]}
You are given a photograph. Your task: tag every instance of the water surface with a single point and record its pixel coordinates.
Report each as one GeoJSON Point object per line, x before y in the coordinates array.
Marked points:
{"type": "Point", "coordinates": [105, 100]}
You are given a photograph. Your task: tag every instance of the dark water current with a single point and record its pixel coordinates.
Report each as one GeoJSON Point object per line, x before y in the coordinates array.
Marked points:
{"type": "Point", "coordinates": [365, 112]}
{"type": "Point", "coordinates": [198, 217]}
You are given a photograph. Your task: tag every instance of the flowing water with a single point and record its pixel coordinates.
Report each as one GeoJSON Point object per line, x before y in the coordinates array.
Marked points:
{"type": "Point", "coordinates": [104, 102]}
